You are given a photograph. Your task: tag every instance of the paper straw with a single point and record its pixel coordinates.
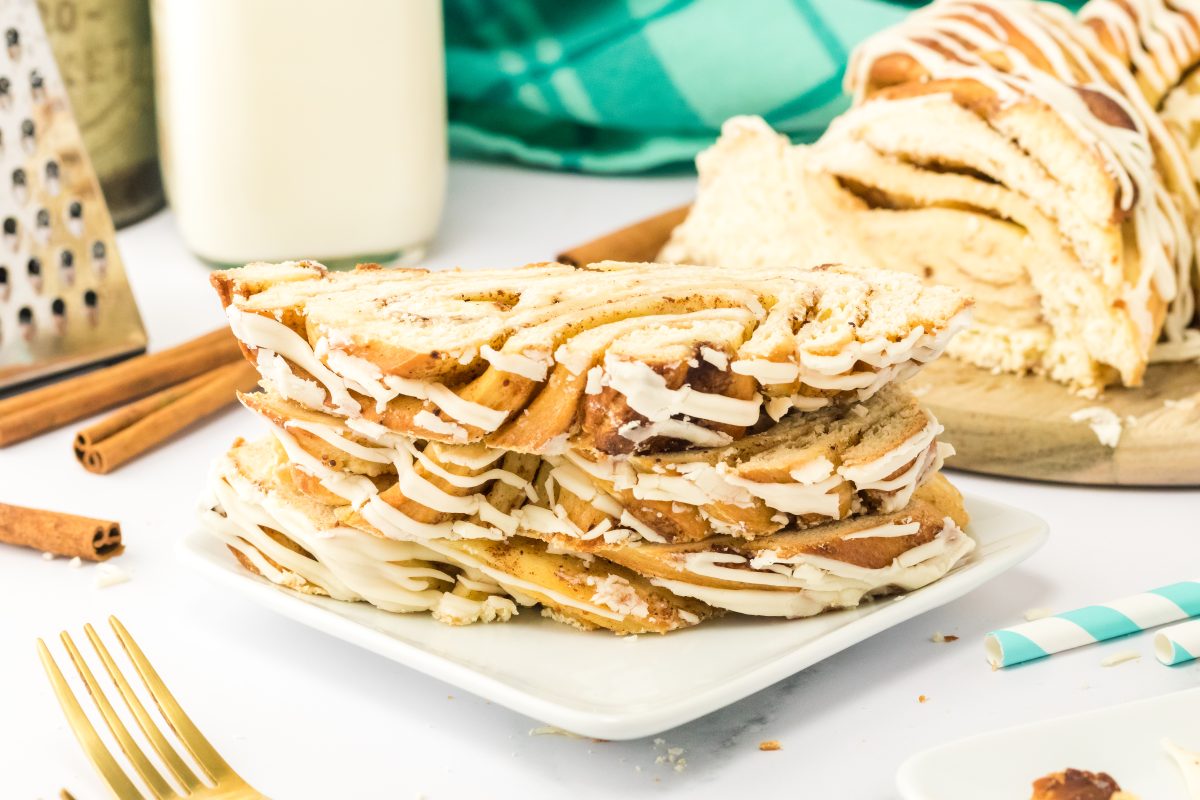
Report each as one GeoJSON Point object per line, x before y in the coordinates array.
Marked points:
{"type": "Point", "coordinates": [1178, 643]}
{"type": "Point", "coordinates": [1091, 624]}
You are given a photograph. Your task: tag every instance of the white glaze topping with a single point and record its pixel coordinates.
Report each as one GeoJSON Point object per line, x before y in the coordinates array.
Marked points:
{"type": "Point", "coordinates": [807, 585]}
{"type": "Point", "coordinates": [647, 393]}
{"type": "Point", "coordinates": [265, 333]}
{"type": "Point", "coordinates": [342, 372]}
{"type": "Point", "coordinates": [638, 431]}
{"type": "Point", "coordinates": [345, 563]}
{"type": "Point", "coordinates": [535, 369]}
{"type": "Point", "coordinates": [339, 373]}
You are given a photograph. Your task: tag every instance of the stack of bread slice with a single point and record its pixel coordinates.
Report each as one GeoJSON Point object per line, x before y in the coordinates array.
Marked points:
{"type": "Point", "coordinates": [1007, 148]}
{"type": "Point", "coordinates": [635, 447]}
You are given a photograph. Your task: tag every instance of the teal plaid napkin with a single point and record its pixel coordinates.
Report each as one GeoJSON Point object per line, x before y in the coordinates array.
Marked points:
{"type": "Point", "coordinates": [630, 85]}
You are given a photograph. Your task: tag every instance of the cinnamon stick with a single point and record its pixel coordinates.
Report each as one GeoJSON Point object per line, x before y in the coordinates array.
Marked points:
{"type": "Point", "coordinates": [31, 413]}
{"type": "Point", "coordinates": [640, 241]}
{"type": "Point", "coordinates": [141, 426]}
{"type": "Point", "coordinates": [62, 534]}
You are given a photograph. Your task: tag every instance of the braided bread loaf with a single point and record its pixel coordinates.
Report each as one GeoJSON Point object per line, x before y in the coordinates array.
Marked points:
{"type": "Point", "coordinates": [1005, 148]}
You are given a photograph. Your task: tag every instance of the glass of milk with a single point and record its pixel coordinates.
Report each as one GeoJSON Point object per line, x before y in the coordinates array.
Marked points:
{"type": "Point", "coordinates": [297, 129]}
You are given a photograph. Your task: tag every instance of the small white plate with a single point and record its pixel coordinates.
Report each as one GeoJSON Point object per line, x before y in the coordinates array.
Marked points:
{"type": "Point", "coordinates": [600, 685]}
{"type": "Point", "coordinates": [1125, 741]}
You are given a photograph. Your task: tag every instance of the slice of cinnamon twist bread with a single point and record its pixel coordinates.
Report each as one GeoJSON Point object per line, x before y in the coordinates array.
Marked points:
{"type": "Point", "coordinates": [473, 443]}
{"type": "Point", "coordinates": [809, 468]}
{"type": "Point", "coordinates": [296, 542]}
{"type": "Point", "coordinates": [616, 358]}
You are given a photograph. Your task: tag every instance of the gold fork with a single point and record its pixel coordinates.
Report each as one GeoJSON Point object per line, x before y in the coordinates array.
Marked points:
{"type": "Point", "coordinates": [224, 783]}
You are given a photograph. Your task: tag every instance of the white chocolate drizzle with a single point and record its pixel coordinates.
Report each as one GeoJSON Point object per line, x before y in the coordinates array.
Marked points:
{"type": "Point", "coordinates": [647, 393]}
{"type": "Point", "coordinates": [805, 584]}
{"type": "Point", "coordinates": [344, 563]}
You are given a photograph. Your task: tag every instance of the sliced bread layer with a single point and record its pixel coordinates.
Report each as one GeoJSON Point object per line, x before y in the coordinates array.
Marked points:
{"type": "Point", "coordinates": [616, 357]}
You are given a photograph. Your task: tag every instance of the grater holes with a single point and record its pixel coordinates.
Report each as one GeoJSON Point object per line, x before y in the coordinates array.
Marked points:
{"type": "Point", "coordinates": [90, 302]}
{"type": "Point", "coordinates": [4, 287]}
{"type": "Point", "coordinates": [75, 217]}
{"type": "Point", "coordinates": [52, 175]}
{"type": "Point", "coordinates": [10, 229]}
{"type": "Point", "coordinates": [20, 185]}
{"type": "Point", "coordinates": [5, 92]}
{"type": "Point", "coordinates": [66, 267]}
{"type": "Point", "coordinates": [33, 268]}
{"type": "Point", "coordinates": [37, 85]}
{"type": "Point", "coordinates": [58, 313]}
{"type": "Point", "coordinates": [25, 322]}
{"type": "Point", "coordinates": [41, 226]}
{"type": "Point", "coordinates": [99, 257]}
{"type": "Point", "coordinates": [28, 134]}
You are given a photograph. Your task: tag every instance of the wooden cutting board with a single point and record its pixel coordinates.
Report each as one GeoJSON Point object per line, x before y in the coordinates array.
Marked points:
{"type": "Point", "coordinates": [1012, 425]}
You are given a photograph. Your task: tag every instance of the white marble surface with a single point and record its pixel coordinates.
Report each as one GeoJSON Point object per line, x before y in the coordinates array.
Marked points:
{"type": "Point", "coordinates": [302, 716]}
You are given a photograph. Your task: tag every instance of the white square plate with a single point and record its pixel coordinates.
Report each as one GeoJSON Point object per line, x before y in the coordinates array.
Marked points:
{"type": "Point", "coordinates": [1124, 741]}
{"type": "Point", "coordinates": [599, 685]}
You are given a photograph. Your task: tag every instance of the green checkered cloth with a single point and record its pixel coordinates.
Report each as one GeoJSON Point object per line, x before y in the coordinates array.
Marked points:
{"type": "Point", "coordinates": [632, 85]}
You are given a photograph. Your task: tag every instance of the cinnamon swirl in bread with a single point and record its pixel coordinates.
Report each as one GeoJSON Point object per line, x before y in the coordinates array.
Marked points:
{"type": "Point", "coordinates": [615, 357]}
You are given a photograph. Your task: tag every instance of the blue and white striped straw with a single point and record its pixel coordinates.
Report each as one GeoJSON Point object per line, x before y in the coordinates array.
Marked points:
{"type": "Point", "coordinates": [1178, 643]}
{"type": "Point", "coordinates": [1092, 624]}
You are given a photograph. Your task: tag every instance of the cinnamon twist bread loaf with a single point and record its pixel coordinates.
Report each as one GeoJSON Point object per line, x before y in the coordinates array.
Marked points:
{"type": "Point", "coordinates": [1002, 147]}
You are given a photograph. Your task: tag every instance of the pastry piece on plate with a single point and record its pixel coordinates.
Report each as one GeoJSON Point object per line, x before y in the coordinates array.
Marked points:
{"type": "Point", "coordinates": [619, 358]}
{"type": "Point", "coordinates": [809, 468]}
{"type": "Point", "coordinates": [997, 147]}
{"type": "Point", "coordinates": [494, 509]}
{"type": "Point", "coordinates": [471, 443]}
{"type": "Point", "coordinates": [299, 543]}
{"type": "Point", "coordinates": [1078, 784]}
{"type": "Point", "coordinates": [799, 573]}
{"type": "Point", "coordinates": [293, 541]}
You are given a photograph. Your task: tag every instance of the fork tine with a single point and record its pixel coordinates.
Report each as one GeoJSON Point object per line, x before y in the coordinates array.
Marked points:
{"type": "Point", "coordinates": [166, 752]}
{"type": "Point", "coordinates": [188, 733]}
{"type": "Point", "coordinates": [93, 747]}
{"type": "Point", "coordinates": [178, 767]}
{"type": "Point", "coordinates": [158, 786]}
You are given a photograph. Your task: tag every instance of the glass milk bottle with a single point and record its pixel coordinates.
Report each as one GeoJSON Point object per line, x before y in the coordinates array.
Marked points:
{"type": "Point", "coordinates": [297, 129]}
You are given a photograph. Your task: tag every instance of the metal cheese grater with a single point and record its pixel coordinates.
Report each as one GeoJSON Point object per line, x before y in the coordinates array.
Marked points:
{"type": "Point", "coordinates": [64, 299]}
